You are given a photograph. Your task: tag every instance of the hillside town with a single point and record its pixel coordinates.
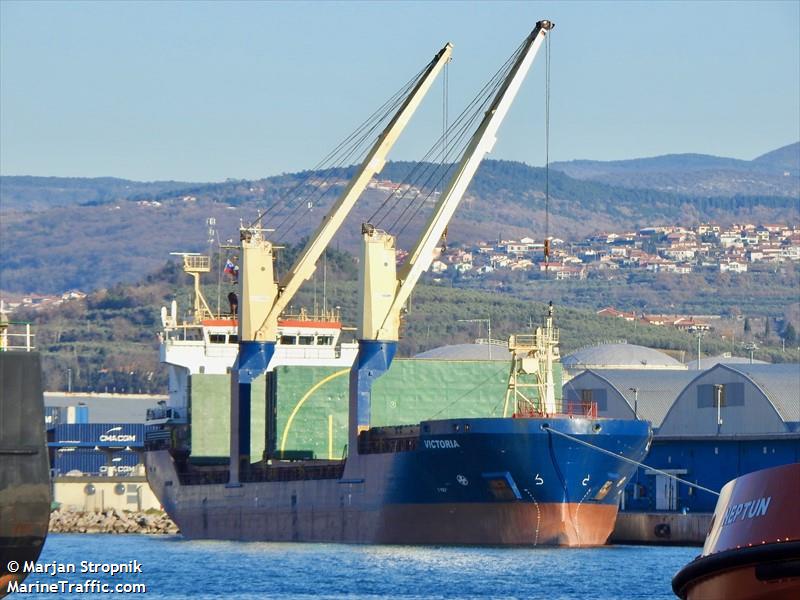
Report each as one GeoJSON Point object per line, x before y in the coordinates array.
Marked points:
{"type": "Point", "coordinates": [662, 249]}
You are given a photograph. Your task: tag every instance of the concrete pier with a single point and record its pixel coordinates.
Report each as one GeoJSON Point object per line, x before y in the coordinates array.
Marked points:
{"type": "Point", "coordinates": [661, 528]}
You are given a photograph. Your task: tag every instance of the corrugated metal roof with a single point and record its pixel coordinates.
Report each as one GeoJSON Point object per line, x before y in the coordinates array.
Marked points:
{"type": "Point", "coordinates": [657, 389]}
{"type": "Point", "coordinates": [722, 359]}
{"type": "Point", "coordinates": [781, 384]}
{"type": "Point", "coordinates": [467, 352]}
{"type": "Point", "coordinates": [620, 356]}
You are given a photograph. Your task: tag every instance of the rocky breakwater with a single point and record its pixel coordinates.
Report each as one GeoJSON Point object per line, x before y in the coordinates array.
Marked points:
{"type": "Point", "coordinates": [111, 521]}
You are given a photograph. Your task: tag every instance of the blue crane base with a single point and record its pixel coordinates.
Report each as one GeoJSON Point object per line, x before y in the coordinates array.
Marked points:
{"type": "Point", "coordinates": [373, 360]}
{"type": "Point", "coordinates": [253, 360]}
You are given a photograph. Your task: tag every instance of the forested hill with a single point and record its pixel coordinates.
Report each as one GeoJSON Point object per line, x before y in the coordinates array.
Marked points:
{"type": "Point", "coordinates": [109, 339]}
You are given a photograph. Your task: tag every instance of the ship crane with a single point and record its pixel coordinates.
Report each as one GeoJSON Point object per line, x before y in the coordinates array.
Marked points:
{"type": "Point", "coordinates": [383, 290]}
{"type": "Point", "coordinates": [262, 299]}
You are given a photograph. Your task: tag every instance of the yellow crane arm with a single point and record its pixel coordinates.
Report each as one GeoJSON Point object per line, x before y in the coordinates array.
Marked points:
{"type": "Point", "coordinates": [381, 305]}
{"type": "Point", "coordinates": [373, 163]}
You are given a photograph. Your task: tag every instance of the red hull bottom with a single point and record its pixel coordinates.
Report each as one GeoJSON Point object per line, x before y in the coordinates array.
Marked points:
{"type": "Point", "coordinates": [499, 524]}
{"type": "Point", "coordinates": [742, 584]}
{"type": "Point", "coordinates": [489, 524]}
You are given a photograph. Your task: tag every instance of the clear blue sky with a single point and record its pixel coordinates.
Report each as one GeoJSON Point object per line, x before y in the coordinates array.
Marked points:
{"type": "Point", "coordinates": [205, 91]}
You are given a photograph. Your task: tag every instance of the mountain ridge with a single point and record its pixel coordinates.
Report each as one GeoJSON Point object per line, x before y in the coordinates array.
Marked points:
{"type": "Point", "coordinates": [776, 172]}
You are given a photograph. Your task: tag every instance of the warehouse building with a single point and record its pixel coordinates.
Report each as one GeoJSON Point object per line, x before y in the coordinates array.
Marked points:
{"type": "Point", "coordinates": [710, 426]}
{"type": "Point", "coordinates": [619, 355]}
{"type": "Point", "coordinates": [629, 393]}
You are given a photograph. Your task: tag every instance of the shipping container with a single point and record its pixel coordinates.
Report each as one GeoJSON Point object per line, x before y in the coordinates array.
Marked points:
{"type": "Point", "coordinates": [95, 462]}
{"type": "Point", "coordinates": [78, 461]}
{"type": "Point", "coordinates": [123, 463]}
{"type": "Point", "coordinates": [102, 435]}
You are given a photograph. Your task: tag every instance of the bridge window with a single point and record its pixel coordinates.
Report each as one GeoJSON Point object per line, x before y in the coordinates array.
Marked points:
{"type": "Point", "coordinates": [216, 338]}
{"type": "Point", "coordinates": [306, 340]}
{"type": "Point", "coordinates": [325, 340]}
{"type": "Point", "coordinates": [288, 340]}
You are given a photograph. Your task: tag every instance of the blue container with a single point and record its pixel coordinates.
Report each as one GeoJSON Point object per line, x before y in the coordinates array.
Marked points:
{"type": "Point", "coordinates": [124, 463]}
{"type": "Point", "coordinates": [101, 435]}
{"type": "Point", "coordinates": [79, 460]}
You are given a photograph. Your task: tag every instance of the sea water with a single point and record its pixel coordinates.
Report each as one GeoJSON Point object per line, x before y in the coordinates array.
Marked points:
{"type": "Point", "coordinates": [175, 568]}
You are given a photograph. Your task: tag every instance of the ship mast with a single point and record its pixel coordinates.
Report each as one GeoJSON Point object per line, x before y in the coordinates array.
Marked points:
{"type": "Point", "coordinates": [383, 291]}
{"type": "Point", "coordinates": [533, 356]}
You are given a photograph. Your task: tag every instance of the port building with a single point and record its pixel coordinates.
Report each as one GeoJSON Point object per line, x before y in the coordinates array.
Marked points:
{"type": "Point", "coordinates": [619, 355]}
{"type": "Point", "coordinates": [629, 393]}
{"type": "Point", "coordinates": [95, 446]}
{"type": "Point", "coordinates": [710, 425]}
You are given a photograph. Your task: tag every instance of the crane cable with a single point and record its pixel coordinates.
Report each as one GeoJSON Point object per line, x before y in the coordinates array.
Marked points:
{"type": "Point", "coordinates": [338, 155]}
{"type": "Point", "coordinates": [458, 139]}
{"type": "Point", "coordinates": [547, 157]}
{"type": "Point", "coordinates": [549, 429]}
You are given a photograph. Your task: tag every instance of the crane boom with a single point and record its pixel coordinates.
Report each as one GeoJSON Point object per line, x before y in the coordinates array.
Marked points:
{"type": "Point", "coordinates": [382, 293]}
{"type": "Point", "coordinates": [381, 305]}
{"type": "Point", "coordinates": [262, 299]}
{"type": "Point", "coordinates": [305, 264]}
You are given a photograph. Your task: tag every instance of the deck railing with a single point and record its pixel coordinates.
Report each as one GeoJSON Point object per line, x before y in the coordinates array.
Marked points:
{"type": "Point", "coordinates": [571, 408]}
{"type": "Point", "coordinates": [16, 336]}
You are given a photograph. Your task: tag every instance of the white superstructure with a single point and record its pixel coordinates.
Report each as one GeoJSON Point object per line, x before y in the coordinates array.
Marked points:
{"type": "Point", "coordinates": [207, 343]}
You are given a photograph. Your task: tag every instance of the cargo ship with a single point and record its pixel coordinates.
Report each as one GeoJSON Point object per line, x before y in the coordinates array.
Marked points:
{"type": "Point", "coordinates": [542, 472]}
{"type": "Point", "coordinates": [24, 468]}
{"type": "Point", "coordinates": [524, 479]}
{"type": "Point", "coordinates": [752, 550]}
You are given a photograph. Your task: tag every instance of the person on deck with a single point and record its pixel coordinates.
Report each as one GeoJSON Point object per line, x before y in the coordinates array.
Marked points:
{"type": "Point", "coordinates": [233, 300]}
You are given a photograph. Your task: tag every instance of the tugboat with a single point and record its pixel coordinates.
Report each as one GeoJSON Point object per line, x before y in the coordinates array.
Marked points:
{"type": "Point", "coordinates": [752, 550]}
{"type": "Point", "coordinates": [24, 467]}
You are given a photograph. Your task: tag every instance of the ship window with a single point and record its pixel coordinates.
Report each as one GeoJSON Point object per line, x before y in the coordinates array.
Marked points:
{"type": "Point", "coordinates": [306, 340]}
{"type": "Point", "coordinates": [325, 340]}
{"type": "Point", "coordinates": [233, 339]}
{"type": "Point", "coordinates": [289, 340]}
{"type": "Point", "coordinates": [216, 338]}
{"type": "Point", "coordinates": [193, 334]}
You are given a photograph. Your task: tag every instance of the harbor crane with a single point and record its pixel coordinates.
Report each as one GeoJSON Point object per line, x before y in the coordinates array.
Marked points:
{"type": "Point", "coordinates": [383, 290]}
{"type": "Point", "coordinates": [262, 299]}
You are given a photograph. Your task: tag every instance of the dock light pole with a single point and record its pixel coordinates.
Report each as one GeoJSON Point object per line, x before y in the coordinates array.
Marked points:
{"type": "Point", "coordinates": [718, 401]}
{"type": "Point", "coordinates": [635, 391]}
{"type": "Point", "coordinates": [699, 333]}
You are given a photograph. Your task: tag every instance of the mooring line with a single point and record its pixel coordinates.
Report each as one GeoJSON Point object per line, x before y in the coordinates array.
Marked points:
{"type": "Point", "coordinates": [629, 460]}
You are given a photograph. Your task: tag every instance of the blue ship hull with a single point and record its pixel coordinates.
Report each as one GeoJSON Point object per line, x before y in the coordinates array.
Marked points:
{"type": "Point", "coordinates": [458, 481]}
